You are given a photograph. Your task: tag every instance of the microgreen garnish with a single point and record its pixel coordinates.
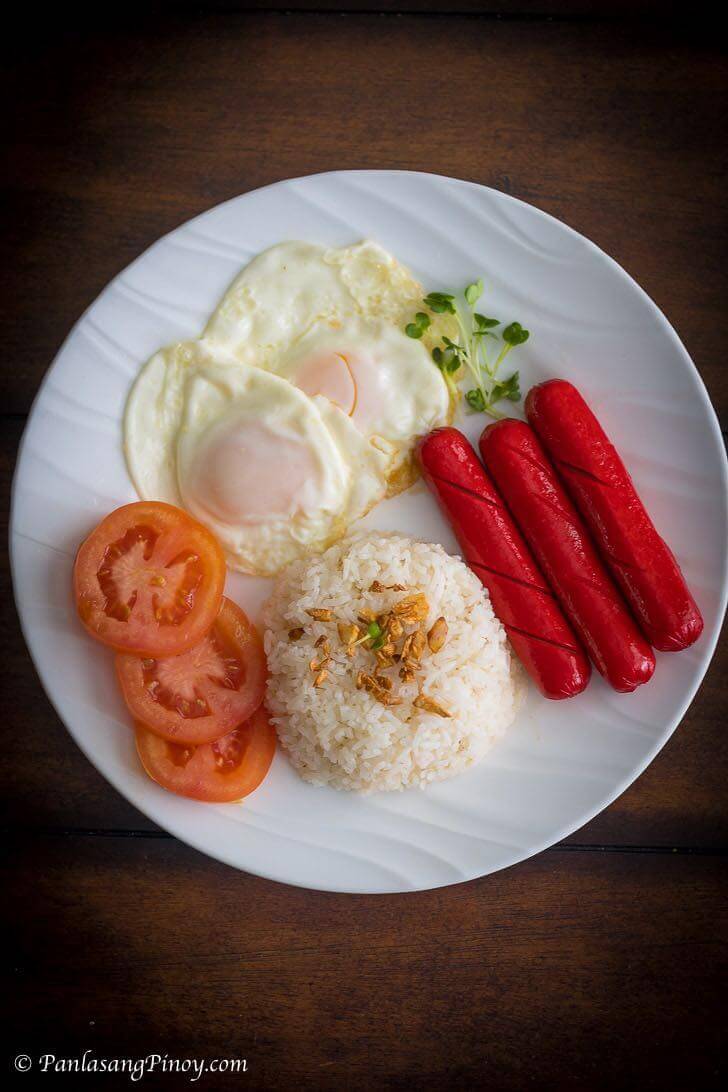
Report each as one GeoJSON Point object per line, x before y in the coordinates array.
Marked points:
{"type": "Point", "coordinates": [469, 351]}
{"type": "Point", "coordinates": [374, 636]}
{"type": "Point", "coordinates": [515, 334]}
{"type": "Point", "coordinates": [417, 328]}
{"type": "Point", "coordinates": [473, 292]}
{"type": "Point", "coordinates": [475, 400]}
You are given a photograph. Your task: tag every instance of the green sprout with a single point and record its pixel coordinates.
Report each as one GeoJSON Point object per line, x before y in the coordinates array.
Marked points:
{"type": "Point", "coordinates": [417, 328]}
{"type": "Point", "coordinates": [470, 351]}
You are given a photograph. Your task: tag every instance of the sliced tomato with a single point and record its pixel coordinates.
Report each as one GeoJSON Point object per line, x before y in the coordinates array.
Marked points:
{"type": "Point", "coordinates": [219, 772]}
{"type": "Point", "coordinates": [204, 693]}
{"type": "Point", "coordinates": [149, 579]}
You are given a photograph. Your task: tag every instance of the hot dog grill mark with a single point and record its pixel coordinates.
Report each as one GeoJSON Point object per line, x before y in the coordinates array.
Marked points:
{"type": "Point", "coordinates": [559, 510]}
{"type": "Point", "coordinates": [544, 640]}
{"type": "Point", "coordinates": [571, 468]}
{"type": "Point", "coordinates": [507, 576]}
{"type": "Point", "coordinates": [581, 470]}
{"type": "Point", "coordinates": [495, 550]}
{"type": "Point", "coordinates": [600, 486]}
{"type": "Point", "coordinates": [476, 564]}
{"type": "Point", "coordinates": [563, 548]}
{"type": "Point", "coordinates": [464, 489]}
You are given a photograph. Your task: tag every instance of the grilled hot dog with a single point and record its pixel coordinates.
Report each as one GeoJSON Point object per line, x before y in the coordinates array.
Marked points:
{"type": "Point", "coordinates": [495, 550]}
{"type": "Point", "coordinates": [561, 544]}
{"type": "Point", "coordinates": [640, 560]}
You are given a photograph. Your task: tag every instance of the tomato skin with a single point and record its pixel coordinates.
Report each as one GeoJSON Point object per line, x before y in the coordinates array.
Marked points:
{"type": "Point", "coordinates": [233, 642]}
{"type": "Point", "coordinates": [175, 545]}
{"type": "Point", "coordinates": [195, 772]}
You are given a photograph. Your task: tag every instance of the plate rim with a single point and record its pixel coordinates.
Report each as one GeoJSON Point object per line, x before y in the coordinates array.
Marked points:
{"type": "Point", "coordinates": [219, 854]}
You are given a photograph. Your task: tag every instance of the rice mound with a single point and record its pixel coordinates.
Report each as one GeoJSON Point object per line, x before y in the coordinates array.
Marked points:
{"type": "Point", "coordinates": [343, 737]}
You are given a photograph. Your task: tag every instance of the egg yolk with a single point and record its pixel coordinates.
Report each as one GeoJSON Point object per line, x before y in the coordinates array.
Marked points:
{"type": "Point", "coordinates": [355, 383]}
{"type": "Point", "coordinates": [329, 374]}
{"type": "Point", "coordinates": [248, 472]}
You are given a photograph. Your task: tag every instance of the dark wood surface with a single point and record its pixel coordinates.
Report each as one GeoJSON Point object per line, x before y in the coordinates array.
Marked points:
{"type": "Point", "coordinates": [601, 963]}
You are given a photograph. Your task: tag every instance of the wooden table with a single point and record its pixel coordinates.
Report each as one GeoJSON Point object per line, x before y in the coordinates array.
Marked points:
{"type": "Point", "coordinates": [596, 965]}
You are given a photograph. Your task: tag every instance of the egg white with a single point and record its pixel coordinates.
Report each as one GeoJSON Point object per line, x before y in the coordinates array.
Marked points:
{"type": "Point", "coordinates": [297, 300]}
{"type": "Point", "coordinates": [291, 286]}
{"type": "Point", "coordinates": [399, 393]}
{"type": "Point", "coordinates": [187, 403]}
{"type": "Point", "coordinates": [202, 412]}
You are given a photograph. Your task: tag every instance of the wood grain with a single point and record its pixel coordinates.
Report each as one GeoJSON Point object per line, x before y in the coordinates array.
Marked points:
{"type": "Point", "coordinates": [125, 135]}
{"type": "Point", "coordinates": [601, 963]}
{"type": "Point", "coordinates": [576, 966]}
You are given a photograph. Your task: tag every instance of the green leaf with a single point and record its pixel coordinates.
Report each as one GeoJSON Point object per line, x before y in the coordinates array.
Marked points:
{"type": "Point", "coordinates": [507, 388]}
{"type": "Point", "coordinates": [374, 630]}
{"type": "Point", "coordinates": [440, 302]}
{"type": "Point", "coordinates": [447, 360]}
{"type": "Point", "coordinates": [474, 291]}
{"type": "Point", "coordinates": [515, 334]}
{"type": "Point", "coordinates": [417, 328]}
{"type": "Point", "coordinates": [475, 400]}
{"type": "Point", "coordinates": [484, 323]}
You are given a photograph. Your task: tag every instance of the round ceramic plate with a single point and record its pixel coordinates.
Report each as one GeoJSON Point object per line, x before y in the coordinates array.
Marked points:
{"type": "Point", "coordinates": [562, 762]}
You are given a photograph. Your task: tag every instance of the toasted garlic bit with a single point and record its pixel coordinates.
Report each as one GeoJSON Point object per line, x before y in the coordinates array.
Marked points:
{"type": "Point", "coordinates": [395, 629]}
{"type": "Point", "coordinates": [419, 642]}
{"type": "Point", "coordinates": [378, 687]}
{"type": "Point", "coordinates": [396, 587]}
{"type": "Point", "coordinates": [324, 644]}
{"type": "Point", "coordinates": [316, 665]}
{"type": "Point", "coordinates": [406, 673]}
{"type": "Point", "coordinates": [429, 705]}
{"type": "Point", "coordinates": [375, 586]}
{"type": "Point", "coordinates": [348, 632]}
{"type": "Point", "coordinates": [321, 678]}
{"type": "Point", "coordinates": [413, 608]}
{"type": "Point", "coordinates": [367, 616]}
{"type": "Point", "coordinates": [383, 660]}
{"type": "Point", "coordinates": [320, 615]}
{"type": "Point", "coordinates": [296, 634]}
{"type": "Point", "coordinates": [412, 647]}
{"type": "Point", "coordinates": [437, 635]}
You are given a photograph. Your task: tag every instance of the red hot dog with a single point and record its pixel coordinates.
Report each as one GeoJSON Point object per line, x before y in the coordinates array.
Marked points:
{"type": "Point", "coordinates": [563, 549]}
{"type": "Point", "coordinates": [495, 550]}
{"type": "Point", "coordinates": [640, 560]}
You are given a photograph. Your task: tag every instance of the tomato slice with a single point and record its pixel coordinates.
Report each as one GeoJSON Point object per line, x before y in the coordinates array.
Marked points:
{"type": "Point", "coordinates": [204, 693]}
{"type": "Point", "coordinates": [149, 579]}
{"type": "Point", "coordinates": [219, 772]}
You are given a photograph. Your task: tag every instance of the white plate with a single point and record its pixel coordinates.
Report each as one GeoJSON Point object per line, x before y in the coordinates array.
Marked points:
{"type": "Point", "coordinates": [561, 763]}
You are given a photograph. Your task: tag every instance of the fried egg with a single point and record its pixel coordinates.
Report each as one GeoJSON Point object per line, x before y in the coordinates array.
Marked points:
{"type": "Point", "coordinates": [297, 410]}
{"type": "Point", "coordinates": [274, 473]}
{"type": "Point", "coordinates": [376, 376]}
{"type": "Point", "coordinates": [288, 288]}
{"type": "Point", "coordinates": [332, 323]}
